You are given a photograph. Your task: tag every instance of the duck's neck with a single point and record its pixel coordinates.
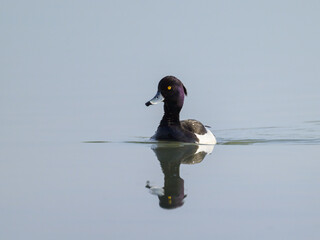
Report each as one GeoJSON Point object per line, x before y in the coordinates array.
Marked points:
{"type": "Point", "coordinates": [171, 115]}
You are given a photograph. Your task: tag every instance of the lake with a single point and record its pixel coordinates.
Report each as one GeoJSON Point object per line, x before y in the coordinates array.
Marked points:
{"type": "Point", "coordinates": [244, 189]}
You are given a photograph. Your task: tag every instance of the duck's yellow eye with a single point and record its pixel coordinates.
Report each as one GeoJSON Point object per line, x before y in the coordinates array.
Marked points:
{"type": "Point", "coordinates": [169, 87]}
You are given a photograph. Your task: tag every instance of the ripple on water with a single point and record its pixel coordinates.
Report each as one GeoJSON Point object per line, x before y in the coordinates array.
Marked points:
{"type": "Point", "coordinates": [306, 133]}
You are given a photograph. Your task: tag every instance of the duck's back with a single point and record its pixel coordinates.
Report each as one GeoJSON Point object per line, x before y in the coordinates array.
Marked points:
{"type": "Point", "coordinates": [193, 126]}
{"type": "Point", "coordinates": [203, 134]}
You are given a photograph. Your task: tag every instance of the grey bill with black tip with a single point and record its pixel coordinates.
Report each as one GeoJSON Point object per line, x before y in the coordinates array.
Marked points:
{"type": "Point", "coordinates": [157, 99]}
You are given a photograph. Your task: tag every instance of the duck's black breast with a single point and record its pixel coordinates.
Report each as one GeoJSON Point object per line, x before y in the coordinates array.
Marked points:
{"type": "Point", "coordinates": [175, 133]}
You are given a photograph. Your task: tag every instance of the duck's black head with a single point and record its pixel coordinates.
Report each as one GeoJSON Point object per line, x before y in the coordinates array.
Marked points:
{"type": "Point", "coordinates": [171, 91]}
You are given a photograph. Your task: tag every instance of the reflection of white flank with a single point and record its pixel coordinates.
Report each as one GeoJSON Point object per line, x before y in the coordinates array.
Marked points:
{"type": "Point", "coordinates": [205, 148]}
{"type": "Point", "coordinates": [159, 191]}
{"type": "Point", "coordinates": [207, 138]}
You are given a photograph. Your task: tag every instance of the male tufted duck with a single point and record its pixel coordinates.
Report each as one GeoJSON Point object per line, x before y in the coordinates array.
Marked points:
{"type": "Point", "coordinates": [171, 91]}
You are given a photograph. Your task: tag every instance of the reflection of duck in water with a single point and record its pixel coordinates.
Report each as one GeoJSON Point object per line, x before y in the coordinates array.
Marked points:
{"type": "Point", "coordinates": [170, 157]}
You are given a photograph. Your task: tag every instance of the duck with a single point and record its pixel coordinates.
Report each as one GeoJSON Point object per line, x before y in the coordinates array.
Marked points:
{"type": "Point", "coordinates": [171, 92]}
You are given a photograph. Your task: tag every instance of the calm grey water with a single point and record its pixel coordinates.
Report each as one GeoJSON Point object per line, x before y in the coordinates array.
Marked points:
{"type": "Point", "coordinates": [245, 189]}
{"type": "Point", "coordinates": [75, 159]}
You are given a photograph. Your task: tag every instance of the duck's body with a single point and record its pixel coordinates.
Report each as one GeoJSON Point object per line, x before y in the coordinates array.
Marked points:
{"type": "Point", "coordinates": [171, 91]}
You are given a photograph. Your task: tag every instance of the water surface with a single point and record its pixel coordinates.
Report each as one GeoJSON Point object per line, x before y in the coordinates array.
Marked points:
{"type": "Point", "coordinates": [244, 189]}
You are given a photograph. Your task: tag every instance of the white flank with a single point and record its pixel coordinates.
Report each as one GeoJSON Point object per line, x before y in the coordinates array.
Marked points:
{"type": "Point", "coordinates": [207, 138]}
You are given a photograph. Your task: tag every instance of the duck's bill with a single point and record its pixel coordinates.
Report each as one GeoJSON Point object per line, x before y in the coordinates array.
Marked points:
{"type": "Point", "coordinates": [157, 99]}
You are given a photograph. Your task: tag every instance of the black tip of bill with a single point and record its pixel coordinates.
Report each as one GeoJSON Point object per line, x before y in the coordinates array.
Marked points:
{"type": "Point", "coordinates": [148, 103]}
